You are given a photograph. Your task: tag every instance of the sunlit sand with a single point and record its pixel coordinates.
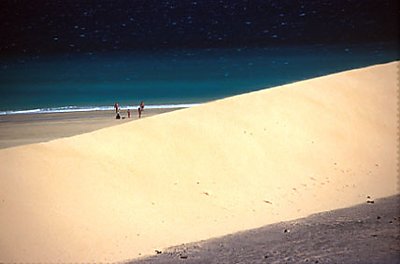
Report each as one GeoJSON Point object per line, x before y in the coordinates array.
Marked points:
{"type": "Point", "coordinates": [246, 161]}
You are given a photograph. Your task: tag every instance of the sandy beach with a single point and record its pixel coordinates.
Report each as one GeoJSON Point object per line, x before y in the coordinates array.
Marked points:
{"type": "Point", "coordinates": [22, 129]}
{"type": "Point", "coordinates": [120, 191]}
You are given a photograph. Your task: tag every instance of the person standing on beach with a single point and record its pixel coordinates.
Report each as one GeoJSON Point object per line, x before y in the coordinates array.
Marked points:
{"type": "Point", "coordinates": [129, 113]}
{"type": "Point", "coordinates": [140, 109]}
{"type": "Point", "coordinates": [116, 106]}
{"type": "Point", "coordinates": [118, 116]}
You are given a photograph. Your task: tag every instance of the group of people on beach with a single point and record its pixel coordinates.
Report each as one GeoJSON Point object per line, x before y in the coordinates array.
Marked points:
{"type": "Point", "coordinates": [118, 110]}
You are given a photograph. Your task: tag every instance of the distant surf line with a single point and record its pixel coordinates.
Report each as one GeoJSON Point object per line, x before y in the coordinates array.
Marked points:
{"type": "Point", "coordinates": [71, 109]}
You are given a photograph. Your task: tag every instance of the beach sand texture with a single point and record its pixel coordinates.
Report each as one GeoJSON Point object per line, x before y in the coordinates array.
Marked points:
{"type": "Point", "coordinates": [23, 129]}
{"type": "Point", "coordinates": [246, 161]}
{"type": "Point", "coordinates": [367, 233]}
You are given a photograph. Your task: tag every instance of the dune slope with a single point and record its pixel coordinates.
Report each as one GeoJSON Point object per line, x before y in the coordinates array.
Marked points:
{"type": "Point", "coordinates": [238, 163]}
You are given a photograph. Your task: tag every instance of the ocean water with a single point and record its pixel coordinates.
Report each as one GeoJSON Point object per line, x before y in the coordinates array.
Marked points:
{"type": "Point", "coordinates": [167, 78]}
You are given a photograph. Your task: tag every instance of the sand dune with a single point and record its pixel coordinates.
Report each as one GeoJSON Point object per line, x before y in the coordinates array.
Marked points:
{"type": "Point", "coordinates": [362, 234]}
{"type": "Point", "coordinates": [242, 162]}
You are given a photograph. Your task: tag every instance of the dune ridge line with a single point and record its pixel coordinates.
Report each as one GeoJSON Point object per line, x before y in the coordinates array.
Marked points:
{"type": "Point", "coordinates": [233, 164]}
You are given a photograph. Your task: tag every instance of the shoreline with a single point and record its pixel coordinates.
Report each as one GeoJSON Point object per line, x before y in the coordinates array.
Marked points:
{"type": "Point", "coordinates": [23, 129]}
{"type": "Point", "coordinates": [99, 108]}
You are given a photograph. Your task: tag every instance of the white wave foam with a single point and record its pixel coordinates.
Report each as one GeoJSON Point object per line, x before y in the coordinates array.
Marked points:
{"type": "Point", "coordinates": [70, 109]}
{"type": "Point", "coordinates": [168, 106]}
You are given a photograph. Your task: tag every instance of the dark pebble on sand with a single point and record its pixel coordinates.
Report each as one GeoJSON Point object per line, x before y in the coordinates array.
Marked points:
{"type": "Point", "coordinates": [371, 202]}
{"type": "Point", "coordinates": [183, 256]}
{"type": "Point", "coordinates": [378, 217]}
{"type": "Point", "coordinates": [158, 251]}
{"type": "Point", "coordinates": [390, 222]}
{"type": "Point", "coordinates": [286, 231]}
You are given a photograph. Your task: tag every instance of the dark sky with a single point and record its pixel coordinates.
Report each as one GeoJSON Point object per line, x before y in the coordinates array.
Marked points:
{"type": "Point", "coordinates": [68, 26]}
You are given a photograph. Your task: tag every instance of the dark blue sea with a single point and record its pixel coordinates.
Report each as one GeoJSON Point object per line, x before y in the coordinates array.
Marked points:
{"type": "Point", "coordinates": [166, 78]}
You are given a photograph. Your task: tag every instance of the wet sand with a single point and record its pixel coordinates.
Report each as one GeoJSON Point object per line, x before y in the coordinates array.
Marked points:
{"type": "Point", "coordinates": [22, 129]}
{"type": "Point", "coordinates": [366, 233]}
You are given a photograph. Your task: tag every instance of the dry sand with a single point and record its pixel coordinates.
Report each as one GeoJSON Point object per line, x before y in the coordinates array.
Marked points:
{"type": "Point", "coordinates": [243, 162]}
{"type": "Point", "coordinates": [364, 234]}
